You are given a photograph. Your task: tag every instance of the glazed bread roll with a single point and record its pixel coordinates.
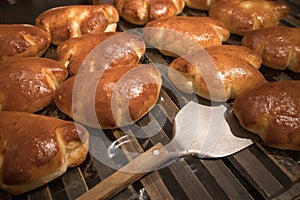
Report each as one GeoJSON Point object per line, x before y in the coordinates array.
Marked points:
{"type": "Point", "coordinates": [22, 40]}
{"type": "Point", "coordinates": [230, 51]}
{"type": "Point", "coordinates": [200, 4]}
{"type": "Point", "coordinates": [181, 35]}
{"type": "Point", "coordinates": [36, 149]}
{"type": "Point", "coordinates": [140, 12]}
{"type": "Point", "coordinates": [214, 76]}
{"type": "Point", "coordinates": [242, 16]}
{"type": "Point", "coordinates": [72, 21]}
{"type": "Point", "coordinates": [279, 46]}
{"type": "Point", "coordinates": [110, 98]}
{"type": "Point", "coordinates": [28, 84]}
{"type": "Point", "coordinates": [110, 49]}
{"type": "Point", "coordinates": [272, 111]}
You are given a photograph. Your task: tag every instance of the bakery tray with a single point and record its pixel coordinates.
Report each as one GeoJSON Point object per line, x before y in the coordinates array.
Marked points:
{"type": "Point", "coordinates": [257, 172]}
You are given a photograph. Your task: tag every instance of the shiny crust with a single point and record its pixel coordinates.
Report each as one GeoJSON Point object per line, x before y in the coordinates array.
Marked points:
{"type": "Point", "coordinates": [28, 84]}
{"type": "Point", "coordinates": [103, 50]}
{"type": "Point", "coordinates": [230, 51]}
{"type": "Point", "coordinates": [241, 16]}
{"type": "Point", "coordinates": [22, 40]}
{"type": "Point", "coordinates": [140, 12]}
{"type": "Point", "coordinates": [72, 21]}
{"type": "Point", "coordinates": [36, 149]}
{"type": "Point", "coordinates": [216, 76]}
{"type": "Point", "coordinates": [200, 4]}
{"type": "Point", "coordinates": [279, 46]}
{"type": "Point", "coordinates": [118, 96]}
{"type": "Point", "coordinates": [273, 112]}
{"type": "Point", "coordinates": [180, 35]}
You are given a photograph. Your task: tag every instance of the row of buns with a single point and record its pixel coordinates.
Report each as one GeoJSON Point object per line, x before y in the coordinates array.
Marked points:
{"type": "Point", "coordinates": [239, 16]}
{"type": "Point", "coordinates": [122, 95]}
{"type": "Point", "coordinates": [36, 149]}
{"type": "Point", "coordinates": [173, 36]}
{"type": "Point", "coordinates": [277, 46]}
{"type": "Point", "coordinates": [92, 56]}
{"type": "Point", "coordinates": [110, 60]}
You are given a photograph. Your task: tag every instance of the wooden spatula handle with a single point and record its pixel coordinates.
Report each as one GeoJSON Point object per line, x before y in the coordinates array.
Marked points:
{"type": "Point", "coordinates": [118, 181]}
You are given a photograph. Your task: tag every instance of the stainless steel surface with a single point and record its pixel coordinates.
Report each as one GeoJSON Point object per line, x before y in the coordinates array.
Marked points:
{"type": "Point", "coordinates": [202, 131]}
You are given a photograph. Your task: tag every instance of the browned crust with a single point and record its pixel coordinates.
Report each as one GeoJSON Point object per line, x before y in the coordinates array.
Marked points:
{"type": "Point", "coordinates": [241, 16]}
{"type": "Point", "coordinates": [180, 35]}
{"type": "Point", "coordinates": [72, 21]}
{"type": "Point", "coordinates": [230, 51]}
{"type": "Point", "coordinates": [94, 52]}
{"type": "Point", "coordinates": [123, 95]}
{"type": "Point", "coordinates": [215, 76]}
{"type": "Point", "coordinates": [273, 112]}
{"type": "Point", "coordinates": [140, 12]}
{"type": "Point", "coordinates": [28, 84]}
{"type": "Point", "coordinates": [200, 4]}
{"type": "Point", "coordinates": [36, 149]}
{"type": "Point", "coordinates": [22, 40]}
{"type": "Point", "coordinates": [279, 46]}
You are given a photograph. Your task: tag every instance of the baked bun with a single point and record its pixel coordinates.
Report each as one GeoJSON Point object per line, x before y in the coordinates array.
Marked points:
{"type": "Point", "coordinates": [272, 111]}
{"type": "Point", "coordinates": [67, 22]}
{"type": "Point", "coordinates": [242, 16]}
{"type": "Point", "coordinates": [22, 40]}
{"type": "Point", "coordinates": [36, 149]}
{"type": "Point", "coordinates": [140, 12]}
{"type": "Point", "coordinates": [200, 4]}
{"type": "Point", "coordinates": [110, 49]}
{"type": "Point", "coordinates": [279, 46]}
{"type": "Point", "coordinates": [110, 98]}
{"type": "Point", "coordinates": [215, 76]}
{"type": "Point", "coordinates": [180, 35]}
{"type": "Point", "coordinates": [28, 84]}
{"type": "Point", "coordinates": [242, 52]}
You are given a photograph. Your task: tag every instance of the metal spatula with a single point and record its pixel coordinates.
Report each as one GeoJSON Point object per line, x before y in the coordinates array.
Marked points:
{"type": "Point", "coordinates": [200, 131]}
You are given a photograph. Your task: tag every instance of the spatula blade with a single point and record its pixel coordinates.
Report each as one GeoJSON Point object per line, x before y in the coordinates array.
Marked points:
{"type": "Point", "coordinates": [204, 132]}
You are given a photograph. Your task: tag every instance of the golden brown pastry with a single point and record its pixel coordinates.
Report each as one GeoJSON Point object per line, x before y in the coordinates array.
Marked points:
{"type": "Point", "coordinates": [200, 4]}
{"type": "Point", "coordinates": [214, 76]}
{"type": "Point", "coordinates": [92, 52]}
{"type": "Point", "coordinates": [22, 40]}
{"type": "Point", "coordinates": [242, 16]}
{"type": "Point", "coordinates": [180, 35]}
{"type": "Point", "coordinates": [140, 12]}
{"type": "Point", "coordinates": [279, 46]}
{"type": "Point", "coordinates": [72, 21]}
{"type": "Point", "coordinates": [272, 111]}
{"type": "Point", "coordinates": [110, 98]}
{"type": "Point", "coordinates": [230, 51]}
{"type": "Point", "coordinates": [36, 149]}
{"type": "Point", "coordinates": [28, 84]}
